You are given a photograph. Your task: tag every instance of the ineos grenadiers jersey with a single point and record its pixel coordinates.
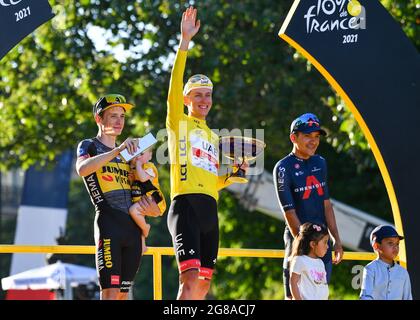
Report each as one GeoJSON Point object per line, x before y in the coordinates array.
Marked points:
{"type": "Point", "coordinates": [193, 147]}
{"type": "Point", "coordinates": [109, 186]}
{"type": "Point", "coordinates": [302, 185]}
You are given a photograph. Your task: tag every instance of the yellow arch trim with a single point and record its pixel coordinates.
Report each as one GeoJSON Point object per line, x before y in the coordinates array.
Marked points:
{"type": "Point", "coordinates": [365, 129]}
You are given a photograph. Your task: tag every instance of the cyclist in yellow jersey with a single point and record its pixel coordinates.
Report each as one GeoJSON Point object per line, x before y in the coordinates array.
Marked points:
{"type": "Point", "coordinates": [194, 156]}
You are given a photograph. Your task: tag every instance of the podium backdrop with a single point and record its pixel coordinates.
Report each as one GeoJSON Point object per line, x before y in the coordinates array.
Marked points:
{"type": "Point", "coordinates": [18, 18]}
{"type": "Point", "coordinates": [369, 61]}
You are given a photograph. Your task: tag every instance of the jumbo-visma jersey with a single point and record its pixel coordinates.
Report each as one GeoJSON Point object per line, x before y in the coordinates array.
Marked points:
{"type": "Point", "coordinates": [193, 147]}
{"type": "Point", "coordinates": [109, 186]}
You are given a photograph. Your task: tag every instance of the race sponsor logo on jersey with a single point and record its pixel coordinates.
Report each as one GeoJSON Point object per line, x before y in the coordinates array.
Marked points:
{"type": "Point", "coordinates": [281, 172]}
{"type": "Point", "coordinates": [114, 176]}
{"type": "Point", "coordinates": [204, 154]}
{"type": "Point", "coordinates": [94, 189]}
{"type": "Point", "coordinates": [297, 166]}
{"type": "Point", "coordinates": [107, 253]}
{"type": "Point", "coordinates": [315, 169]}
{"type": "Point", "coordinates": [115, 280]}
{"type": "Point", "coordinates": [107, 178]}
{"type": "Point", "coordinates": [182, 150]}
{"type": "Point", "coordinates": [100, 256]}
{"type": "Point", "coordinates": [311, 184]}
{"type": "Point", "coordinates": [183, 158]}
{"type": "Point", "coordinates": [126, 285]}
{"type": "Point", "coordinates": [179, 250]}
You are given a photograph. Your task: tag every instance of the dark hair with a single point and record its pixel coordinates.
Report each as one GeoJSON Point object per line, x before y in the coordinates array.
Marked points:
{"type": "Point", "coordinates": [308, 232]}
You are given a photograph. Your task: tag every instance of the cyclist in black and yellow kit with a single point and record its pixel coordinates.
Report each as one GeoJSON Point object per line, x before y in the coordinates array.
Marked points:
{"type": "Point", "coordinates": [106, 176]}
{"type": "Point", "coordinates": [194, 156]}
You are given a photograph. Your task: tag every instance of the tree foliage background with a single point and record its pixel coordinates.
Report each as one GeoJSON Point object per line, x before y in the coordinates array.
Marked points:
{"type": "Point", "coordinates": [49, 82]}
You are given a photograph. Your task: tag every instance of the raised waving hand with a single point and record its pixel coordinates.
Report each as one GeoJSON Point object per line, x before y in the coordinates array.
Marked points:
{"type": "Point", "coordinates": [189, 27]}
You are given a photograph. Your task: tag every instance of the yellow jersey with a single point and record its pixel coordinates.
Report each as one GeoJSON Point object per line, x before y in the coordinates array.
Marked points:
{"type": "Point", "coordinates": [193, 147]}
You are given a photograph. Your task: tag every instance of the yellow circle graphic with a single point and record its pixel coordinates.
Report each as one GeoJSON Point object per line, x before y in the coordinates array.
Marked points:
{"type": "Point", "coordinates": [354, 8]}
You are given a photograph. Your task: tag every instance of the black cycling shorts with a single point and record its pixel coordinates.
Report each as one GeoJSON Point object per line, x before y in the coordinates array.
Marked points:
{"type": "Point", "coordinates": [118, 249]}
{"type": "Point", "coordinates": [194, 227]}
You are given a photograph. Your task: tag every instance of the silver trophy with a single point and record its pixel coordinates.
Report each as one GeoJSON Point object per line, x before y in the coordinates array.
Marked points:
{"type": "Point", "coordinates": [240, 149]}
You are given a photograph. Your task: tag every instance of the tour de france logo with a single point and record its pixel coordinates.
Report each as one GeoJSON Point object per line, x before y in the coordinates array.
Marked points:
{"type": "Point", "coordinates": [345, 16]}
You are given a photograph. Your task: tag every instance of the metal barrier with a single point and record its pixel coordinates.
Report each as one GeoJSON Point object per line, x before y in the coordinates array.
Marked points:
{"type": "Point", "coordinates": [158, 252]}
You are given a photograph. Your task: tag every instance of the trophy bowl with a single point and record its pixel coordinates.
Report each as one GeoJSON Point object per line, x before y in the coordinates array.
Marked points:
{"type": "Point", "coordinates": [240, 149]}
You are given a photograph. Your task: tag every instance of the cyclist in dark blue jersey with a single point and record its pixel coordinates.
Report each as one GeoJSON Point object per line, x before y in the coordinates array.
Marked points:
{"type": "Point", "coordinates": [106, 176]}
{"type": "Point", "coordinates": [300, 180]}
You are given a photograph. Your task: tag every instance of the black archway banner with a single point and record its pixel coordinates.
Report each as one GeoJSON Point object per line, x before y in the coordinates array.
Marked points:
{"type": "Point", "coordinates": [367, 58]}
{"type": "Point", "coordinates": [18, 18]}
